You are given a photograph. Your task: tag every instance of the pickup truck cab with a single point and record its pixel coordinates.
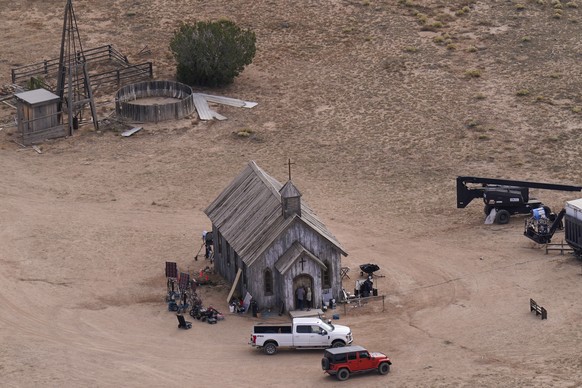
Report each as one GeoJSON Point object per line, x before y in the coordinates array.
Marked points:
{"type": "Point", "coordinates": [342, 362]}
{"type": "Point", "coordinates": [302, 333]}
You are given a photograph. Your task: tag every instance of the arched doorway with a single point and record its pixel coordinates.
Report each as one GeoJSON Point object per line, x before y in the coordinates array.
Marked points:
{"type": "Point", "coordinates": [305, 281]}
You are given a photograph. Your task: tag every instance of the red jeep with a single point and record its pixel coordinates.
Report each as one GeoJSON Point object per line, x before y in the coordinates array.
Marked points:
{"type": "Point", "coordinates": [346, 360]}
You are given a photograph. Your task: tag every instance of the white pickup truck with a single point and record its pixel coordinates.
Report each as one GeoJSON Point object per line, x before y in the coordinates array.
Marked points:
{"type": "Point", "coordinates": [302, 333]}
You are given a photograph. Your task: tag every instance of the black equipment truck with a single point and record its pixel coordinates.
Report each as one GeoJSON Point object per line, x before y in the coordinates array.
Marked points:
{"type": "Point", "coordinates": [507, 197]}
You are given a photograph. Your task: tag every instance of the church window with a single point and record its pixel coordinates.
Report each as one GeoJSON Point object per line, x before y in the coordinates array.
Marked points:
{"type": "Point", "coordinates": [268, 282]}
{"type": "Point", "coordinates": [325, 276]}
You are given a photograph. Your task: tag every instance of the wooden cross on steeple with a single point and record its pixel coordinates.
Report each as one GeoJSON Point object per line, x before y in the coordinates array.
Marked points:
{"type": "Point", "coordinates": [289, 163]}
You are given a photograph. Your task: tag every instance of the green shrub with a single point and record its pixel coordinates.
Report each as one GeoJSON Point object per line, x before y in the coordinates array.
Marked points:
{"type": "Point", "coordinates": [211, 53]}
{"type": "Point", "coordinates": [522, 92]}
{"type": "Point", "coordinates": [438, 39]}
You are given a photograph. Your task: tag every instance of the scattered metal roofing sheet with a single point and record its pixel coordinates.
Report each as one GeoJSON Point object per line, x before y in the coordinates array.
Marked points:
{"type": "Point", "coordinates": [229, 101]}
{"type": "Point", "coordinates": [204, 111]}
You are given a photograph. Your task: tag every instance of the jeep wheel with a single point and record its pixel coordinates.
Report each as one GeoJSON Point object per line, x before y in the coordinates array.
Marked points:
{"type": "Point", "coordinates": [337, 344]}
{"type": "Point", "coordinates": [343, 374]}
{"type": "Point", "coordinates": [325, 363]}
{"type": "Point", "coordinates": [384, 368]}
{"type": "Point", "coordinates": [270, 348]}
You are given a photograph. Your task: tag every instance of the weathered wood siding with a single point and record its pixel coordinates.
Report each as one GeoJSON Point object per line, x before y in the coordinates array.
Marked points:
{"type": "Point", "coordinates": [249, 215]}
{"type": "Point", "coordinates": [227, 262]}
{"type": "Point", "coordinates": [37, 123]}
{"type": "Point", "coordinates": [283, 284]}
{"type": "Point", "coordinates": [125, 107]}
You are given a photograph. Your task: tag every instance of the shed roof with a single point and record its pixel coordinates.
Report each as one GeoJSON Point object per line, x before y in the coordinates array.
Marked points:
{"type": "Point", "coordinates": [37, 96]}
{"type": "Point", "coordinates": [248, 214]}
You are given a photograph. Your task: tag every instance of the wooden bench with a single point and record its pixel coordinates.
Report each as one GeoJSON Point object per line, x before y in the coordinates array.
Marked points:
{"type": "Point", "coordinates": [539, 310]}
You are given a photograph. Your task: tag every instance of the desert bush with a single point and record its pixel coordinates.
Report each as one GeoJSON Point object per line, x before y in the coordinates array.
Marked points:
{"type": "Point", "coordinates": [473, 73]}
{"type": "Point", "coordinates": [211, 53]}
{"type": "Point", "coordinates": [422, 18]}
{"type": "Point", "coordinates": [438, 39]}
{"type": "Point", "coordinates": [35, 83]}
{"type": "Point", "coordinates": [245, 132]}
{"type": "Point", "coordinates": [522, 92]}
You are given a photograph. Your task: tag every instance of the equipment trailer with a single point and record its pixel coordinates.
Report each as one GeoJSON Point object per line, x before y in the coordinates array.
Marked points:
{"type": "Point", "coordinates": [541, 229]}
{"type": "Point", "coordinates": [507, 197]}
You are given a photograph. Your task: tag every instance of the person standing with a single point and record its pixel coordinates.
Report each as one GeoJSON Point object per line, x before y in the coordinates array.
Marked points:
{"type": "Point", "coordinates": [308, 298]}
{"type": "Point", "coordinates": [300, 297]}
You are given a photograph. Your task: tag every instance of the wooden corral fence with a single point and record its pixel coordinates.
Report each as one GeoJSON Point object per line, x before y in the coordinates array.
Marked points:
{"type": "Point", "coordinates": [367, 304]}
{"type": "Point", "coordinates": [50, 67]}
{"type": "Point", "coordinates": [539, 310]}
{"type": "Point", "coordinates": [561, 247]}
{"type": "Point", "coordinates": [123, 74]}
{"type": "Point", "coordinates": [126, 107]}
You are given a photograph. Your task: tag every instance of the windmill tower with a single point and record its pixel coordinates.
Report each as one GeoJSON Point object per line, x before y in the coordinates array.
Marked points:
{"type": "Point", "coordinates": [73, 84]}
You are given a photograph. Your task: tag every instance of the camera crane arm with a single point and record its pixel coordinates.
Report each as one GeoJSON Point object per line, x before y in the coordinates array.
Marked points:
{"type": "Point", "coordinates": [466, 194]}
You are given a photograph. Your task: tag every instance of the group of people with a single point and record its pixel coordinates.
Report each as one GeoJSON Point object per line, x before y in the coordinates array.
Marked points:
{"type": "Point", "coordinates": [208, 243]}
{"type": "Point", "coordinates": [367, 287]}
{"type": "Point", "coordinates": [303, 297]}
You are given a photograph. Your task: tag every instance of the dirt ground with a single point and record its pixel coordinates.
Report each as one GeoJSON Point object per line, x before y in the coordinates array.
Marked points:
{"type": "Point", "coordinates": [380, 105]}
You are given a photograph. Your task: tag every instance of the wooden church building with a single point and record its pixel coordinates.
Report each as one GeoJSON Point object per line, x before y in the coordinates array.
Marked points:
{"type": "Point", "coordinates": [269, 242]}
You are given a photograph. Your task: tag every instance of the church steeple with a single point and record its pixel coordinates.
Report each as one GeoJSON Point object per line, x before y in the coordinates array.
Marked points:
{"type": "Point", "coordinates": [290, 200]}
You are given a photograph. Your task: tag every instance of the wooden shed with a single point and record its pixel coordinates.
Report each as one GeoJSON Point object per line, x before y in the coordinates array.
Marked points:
{"type": "Point", "coordinates": [269, 242]}
{"type": "Point", "coordinates": [38, 116]}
